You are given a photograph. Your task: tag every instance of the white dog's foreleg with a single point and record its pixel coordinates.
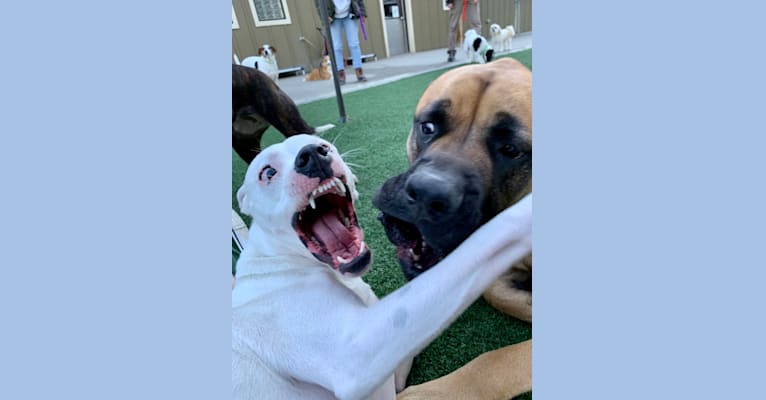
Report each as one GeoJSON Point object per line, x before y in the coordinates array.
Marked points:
{"type": "Point", "coordinates": [403, 323]}
{"type": "Point", "coordinates": [401, 373]}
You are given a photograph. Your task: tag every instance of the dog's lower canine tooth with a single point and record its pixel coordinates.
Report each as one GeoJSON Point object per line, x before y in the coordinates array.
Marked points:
{"type": "Point", "coordinates": [342, 260]}
{"type": "Point", "coordinates": [311, 203]}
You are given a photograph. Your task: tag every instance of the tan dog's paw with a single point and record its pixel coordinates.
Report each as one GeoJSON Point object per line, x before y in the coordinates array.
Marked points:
{"type": "Point", "coordinates": [511, 293]}
{"type": "Point", "coordinates": [424, 392]}
{"type": "Point", "coordinates": [510, 300]}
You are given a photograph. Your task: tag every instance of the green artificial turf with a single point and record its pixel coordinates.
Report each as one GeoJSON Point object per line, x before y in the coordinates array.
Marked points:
{"type": "Point", "coordinates": [379, 120]}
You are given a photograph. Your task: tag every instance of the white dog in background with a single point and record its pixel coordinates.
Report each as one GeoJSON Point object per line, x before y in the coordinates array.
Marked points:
{"type": "Point", "coordinates": [304, 324]}
{"type": "Point", "coordinates": [502, 38]}
{"type": "Point", "coordinates": [265, 61]}
{"type": "Point", "coordinates": [477, 48]}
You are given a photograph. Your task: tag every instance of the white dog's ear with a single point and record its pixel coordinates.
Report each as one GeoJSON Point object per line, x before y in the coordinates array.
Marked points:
{"type": "Point", "coordinates": [243, 200]}
{"type": "Point", "coordinates": [273, 49]}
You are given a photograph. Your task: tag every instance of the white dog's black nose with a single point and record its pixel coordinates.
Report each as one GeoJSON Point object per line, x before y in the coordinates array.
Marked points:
{"type": "Point", "coordinates": [314, 161]}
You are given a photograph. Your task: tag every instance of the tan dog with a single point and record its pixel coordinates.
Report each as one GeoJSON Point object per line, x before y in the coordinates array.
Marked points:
{"type": "Point", "coordinates": [470, 153]}
{"type": "Point", "coordinates": [322, 73]}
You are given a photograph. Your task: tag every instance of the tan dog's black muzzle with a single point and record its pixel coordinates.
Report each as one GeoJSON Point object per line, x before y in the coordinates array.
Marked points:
{"type": "Point", "coordinates": [430, 209]}
{"type": "Point", "coordinates": [437, 195]}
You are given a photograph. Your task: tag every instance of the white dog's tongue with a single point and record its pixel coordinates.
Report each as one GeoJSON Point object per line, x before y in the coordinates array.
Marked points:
{"type": "Point", "coordinates": [331, 231]}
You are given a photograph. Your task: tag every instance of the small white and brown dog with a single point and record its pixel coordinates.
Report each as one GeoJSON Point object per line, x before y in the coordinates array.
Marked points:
{"type": "Point", "coordinates": [502, 38]}
{"type": "Point", "coordinates": [477, 48]}
{"type": "Point", "coordinates": [304, 324]}
{"type": "Point", "coordinates": [265, 61]}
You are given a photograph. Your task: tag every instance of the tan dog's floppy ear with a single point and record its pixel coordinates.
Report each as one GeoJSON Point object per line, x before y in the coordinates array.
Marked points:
{"type": "Point", "coordinates": [260, 51]}
{"type": "Point", "coordinates": [273, 49]}
{"type": "Point", "coordinates": [244, 201]}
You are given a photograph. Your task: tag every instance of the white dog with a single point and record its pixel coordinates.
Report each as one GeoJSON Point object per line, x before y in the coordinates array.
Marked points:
{"type": "Point", "coordinates": [502, 38]}
{"type": "Point", "coordinates": [304, 324]}
{"type": "Point", "coordinates": [265, 61]}
{"type": "Point", "coordinates": [477, 48]}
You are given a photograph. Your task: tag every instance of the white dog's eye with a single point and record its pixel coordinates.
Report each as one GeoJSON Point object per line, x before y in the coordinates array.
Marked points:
{"type": "Point", "coordinates": [267, 171]}
{"type": "Point", "coordinates": [427, 128]}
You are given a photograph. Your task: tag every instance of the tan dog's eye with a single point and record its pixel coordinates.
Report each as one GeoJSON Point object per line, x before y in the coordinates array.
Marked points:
{"type": "Point", "coordinates": [427, 128]}
{"type": "Point", "coordinates": [267, 171]}
{"type": "Point", "coordinates": [511, 151]}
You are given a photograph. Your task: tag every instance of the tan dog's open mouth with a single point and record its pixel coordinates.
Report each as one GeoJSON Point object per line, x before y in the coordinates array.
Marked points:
{"type": "Point", "coordinates": [329, 229]}
{"type": "Point", "coordinates": [413, 251]}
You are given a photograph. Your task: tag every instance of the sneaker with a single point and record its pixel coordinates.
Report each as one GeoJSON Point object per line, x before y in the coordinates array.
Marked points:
{"type": "Point", "coordinates": [342, 77]}
{"type": "Point", "coordinates": [450, 55]}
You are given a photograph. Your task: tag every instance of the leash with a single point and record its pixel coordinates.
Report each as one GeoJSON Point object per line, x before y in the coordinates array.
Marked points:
{"type": "Point", "coordinates": [361, 19]}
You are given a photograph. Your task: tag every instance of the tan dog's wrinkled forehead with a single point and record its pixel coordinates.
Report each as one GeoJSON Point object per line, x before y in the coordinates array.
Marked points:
{"type": "Point", "coordinates": [476, 94]}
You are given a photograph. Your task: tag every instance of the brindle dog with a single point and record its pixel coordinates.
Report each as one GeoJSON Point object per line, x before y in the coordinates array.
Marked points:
{"type": "Point", "coordinates": [258, 102]}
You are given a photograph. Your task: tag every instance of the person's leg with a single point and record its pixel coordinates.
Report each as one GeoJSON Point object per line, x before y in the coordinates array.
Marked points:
{"type": "Point", "coordinates": [337, 46]}
{"type": "Point", "coordinates": [473, 15]}
{"type": "Point", "coordinates": [352, 37]}
{"type": "Point", "coordinates": [454, 19]}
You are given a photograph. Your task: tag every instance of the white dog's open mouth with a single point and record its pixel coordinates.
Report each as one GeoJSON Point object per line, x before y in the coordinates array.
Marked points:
{"type": "Point", "coordinates": [328, 228]}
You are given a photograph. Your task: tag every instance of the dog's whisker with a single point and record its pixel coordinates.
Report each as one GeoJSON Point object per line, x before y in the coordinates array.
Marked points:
{"type": "Point", "coordinates": [336, 138]}
{"type": "Point", "coordinates": [352, 152]}
{"type": "Point", "coordinates": [359, 166]}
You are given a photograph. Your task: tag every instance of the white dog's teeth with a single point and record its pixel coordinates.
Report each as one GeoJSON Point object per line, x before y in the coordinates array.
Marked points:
{"type": "Point", "coordinates": [347, 222]}
{"type": "Point", "coordinates": [340, 185]}
{"type": "Point", "coordinates": [342, 260]}
{"type": "Point", "coordinates": [311, 203]}
{"type": "Point", "coordinates": [361, 248]}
